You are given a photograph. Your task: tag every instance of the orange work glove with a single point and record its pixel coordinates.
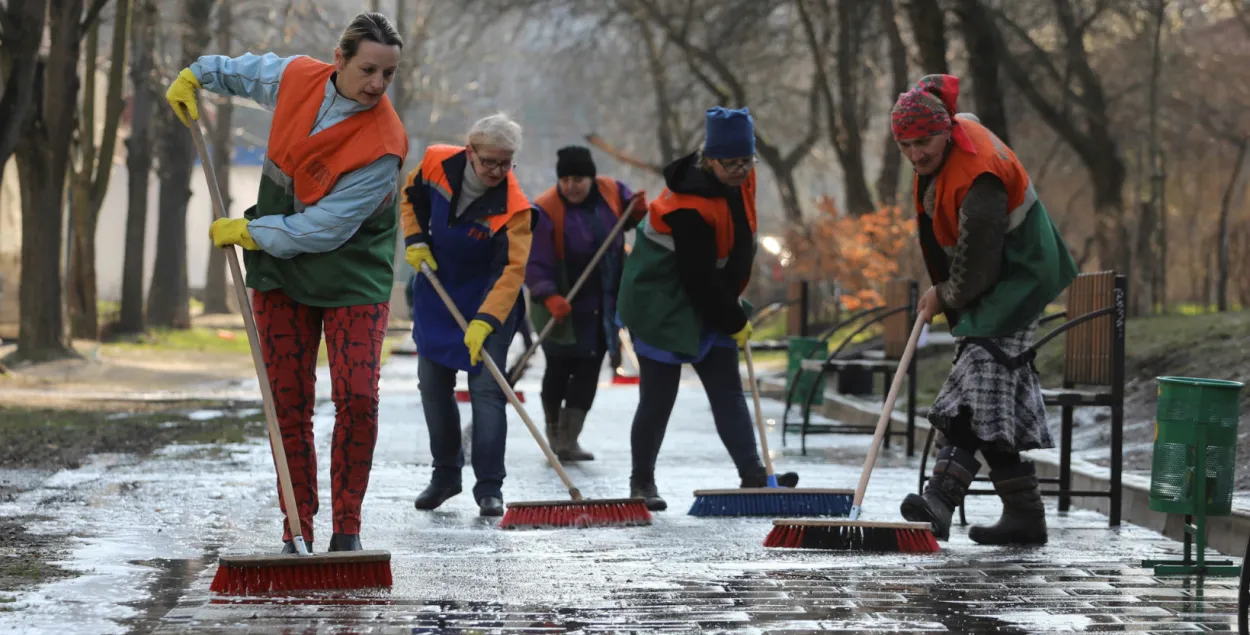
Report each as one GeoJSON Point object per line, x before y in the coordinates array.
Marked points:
{"type": "Point", "coordinates": [559, 307]}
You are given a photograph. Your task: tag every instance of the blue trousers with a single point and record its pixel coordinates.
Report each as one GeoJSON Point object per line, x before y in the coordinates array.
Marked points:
{"type": "Point", "coordinates": [437, 384]}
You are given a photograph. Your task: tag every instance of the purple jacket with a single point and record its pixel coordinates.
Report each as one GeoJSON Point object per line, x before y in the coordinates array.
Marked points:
{"type": "Point", "coordinates": [595, 302]}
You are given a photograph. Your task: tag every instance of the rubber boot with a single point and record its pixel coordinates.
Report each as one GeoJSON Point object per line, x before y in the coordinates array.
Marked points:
{"type": "Point", "coordinates": [552, 415]}
{"type": "Point", "coordinates": [644, 487]}
{"type": "Point", "coordinates": [288, 546]}
{"type": "Point", "coordinates": [345, 542]}
{"type": "Point", "coordinates": [1023, 521]}
{"type": "Point", "coordinates": [758, 477]}
{"type": "Point", "coordinates": [571, 423]}
{"type": "Point", "coordinates": [943, 492]}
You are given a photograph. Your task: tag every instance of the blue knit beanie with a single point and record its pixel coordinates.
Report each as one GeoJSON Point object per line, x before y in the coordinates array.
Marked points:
{"type": "Point", "coordinates": [729, 134]}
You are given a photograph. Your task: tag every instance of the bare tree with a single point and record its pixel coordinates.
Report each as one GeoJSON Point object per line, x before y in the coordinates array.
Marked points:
{"type": "Point", "coordinates": [984, 52]}
{"type": "Point", "coordinates": [168, 298]}
{"type": "Point", "coordinates": [89, 179]}
{"type": "Point", "coordinates": [891, 158]}
{"type": "Point", "coordinates": [1038, 77]}
{"type": "Point", "coordinates": [42, 159]}
{"type": "Point", "coordinates": [216, 291]}
{"type": "Point", "coordinates": [138, 163]}
{"type": "Point", "coordinates": [928, 25]}
{"type": "Point", "coordinates": [21, 31]}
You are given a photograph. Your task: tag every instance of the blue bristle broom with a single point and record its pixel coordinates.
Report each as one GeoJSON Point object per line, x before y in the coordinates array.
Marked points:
{"type": "Point", "coordinates": [773, 500]}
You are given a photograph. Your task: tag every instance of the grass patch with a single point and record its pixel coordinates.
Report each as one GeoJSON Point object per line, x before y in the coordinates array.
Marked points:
{"type": "Point", "coordinates": [204, 340]}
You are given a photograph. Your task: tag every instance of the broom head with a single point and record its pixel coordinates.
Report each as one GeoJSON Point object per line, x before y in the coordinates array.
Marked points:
{"type": "Point", "coordinates": [247, 575]}
{"type": "Point", "coordinates": [609, 512]}
{"type": "Point", "coordinates": [618, 378]}
{"type": "Point", "coordinates": [786, 502]}
{"type": "Point", "coordinates": [853, 535]}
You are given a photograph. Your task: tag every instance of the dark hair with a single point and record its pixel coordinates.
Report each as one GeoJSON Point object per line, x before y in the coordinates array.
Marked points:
{"type": "Point", "coordinates": [368, 27]}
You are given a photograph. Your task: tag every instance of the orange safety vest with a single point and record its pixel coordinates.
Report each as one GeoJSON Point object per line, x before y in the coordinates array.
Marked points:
{"type": "Point", "coordinates": [316, 162]}
{"type": "Point", "coordinates": [435, 177]}
{"type": "Point", "coordinates": [962, 168]}
{"type": "Point", "coordinates": [553, 205]}
{"type": "Point", "coordinates": [715, 212]}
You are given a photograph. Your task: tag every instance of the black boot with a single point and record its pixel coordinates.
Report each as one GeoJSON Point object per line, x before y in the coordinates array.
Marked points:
{"type": "Point", "coordinates": [571, 423]}
{"type": "Point", "coordinates": [1023, 521]}
{"type": "Point", "coordinates": [554, 438]}
{"type": "Point", "coordinates": [944, 491]}
{"type": "Point", "coordinates": [758, 477]}
{"type": "Point", "coordinates": [345, 542]}
{"type": "Point", "coordinates": [288, 546]}
{"type": "Point", "coordinates": [644, 488]}
{"type": "Point", "coordinates": [436, 494]}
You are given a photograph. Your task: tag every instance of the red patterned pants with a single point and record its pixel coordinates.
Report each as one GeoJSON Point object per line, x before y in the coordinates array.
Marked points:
{"type": "Point", "coordinates": [290, 335]}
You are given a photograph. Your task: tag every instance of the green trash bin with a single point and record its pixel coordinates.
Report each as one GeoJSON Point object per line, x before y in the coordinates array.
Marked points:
{"type": "Point", "coordinates": [1195, 461]}
{"type": "Point", "coordinates": [802, 348]}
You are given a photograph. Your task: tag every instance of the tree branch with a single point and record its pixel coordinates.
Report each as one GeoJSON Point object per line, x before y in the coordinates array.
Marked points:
{"type": "Point", "coordinates": [8, 28]}
{"type": "Point", "coordinates": [621, 155]}
{"type": "Point", "coordinates": [93, 14]}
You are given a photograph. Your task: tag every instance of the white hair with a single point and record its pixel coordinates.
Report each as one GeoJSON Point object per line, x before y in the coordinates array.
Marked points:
{"type": "Point", "coordinates": [497, 131]}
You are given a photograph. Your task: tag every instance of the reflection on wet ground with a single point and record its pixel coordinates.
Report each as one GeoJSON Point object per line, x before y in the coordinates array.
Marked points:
{"type": "Point", "coordinates": [151, 549]}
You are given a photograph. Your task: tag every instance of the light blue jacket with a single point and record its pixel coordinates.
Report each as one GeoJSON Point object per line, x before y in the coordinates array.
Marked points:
{"type": "Point", "coordinates": [336, 217]}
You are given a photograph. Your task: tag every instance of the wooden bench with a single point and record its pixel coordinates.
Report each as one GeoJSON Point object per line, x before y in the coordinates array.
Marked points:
{"type": "Point", "coordinates": [895, 316]}
{"type": "Point", "coordinates": [1093, 376]}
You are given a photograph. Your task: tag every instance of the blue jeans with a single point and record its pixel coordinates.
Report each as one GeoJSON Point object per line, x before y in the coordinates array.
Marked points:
{"type": "Point", "coordinates": [437, 384]}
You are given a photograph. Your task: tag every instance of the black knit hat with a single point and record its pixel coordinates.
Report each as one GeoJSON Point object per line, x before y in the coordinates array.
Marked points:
{"type": "Point", "coordinates": [574, 161]}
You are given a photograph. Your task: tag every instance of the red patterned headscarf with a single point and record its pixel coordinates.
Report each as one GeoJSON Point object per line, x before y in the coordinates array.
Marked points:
{"type": "Point", "coordinates": [928, 109]}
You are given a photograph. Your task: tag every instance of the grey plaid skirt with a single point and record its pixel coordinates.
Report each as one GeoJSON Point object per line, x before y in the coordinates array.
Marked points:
{"type": "Point", "coordinates": [1005, 404]}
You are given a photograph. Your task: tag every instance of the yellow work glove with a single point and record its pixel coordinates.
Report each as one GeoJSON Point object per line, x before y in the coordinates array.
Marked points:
{"type": "Point", "coordinates": [231, 231]}
{"type": "Point", "coordinates": [742, 336]}
{"type": "Point", "coordinates": [182, 93]}
{"type": "Point", "coordinates": [417, 254]}
{"type": "Point", "coordinates": [474, 337]}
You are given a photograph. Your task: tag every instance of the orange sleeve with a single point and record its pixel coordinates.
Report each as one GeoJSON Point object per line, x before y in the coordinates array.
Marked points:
{"type": "Point", "coordinates": [512, 254]}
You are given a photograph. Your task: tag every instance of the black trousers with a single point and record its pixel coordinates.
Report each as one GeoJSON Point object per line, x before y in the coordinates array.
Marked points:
{"type": "Point", "coordinates": [959, 433]}
{"type": "Point", "coordinates": [571, 382]}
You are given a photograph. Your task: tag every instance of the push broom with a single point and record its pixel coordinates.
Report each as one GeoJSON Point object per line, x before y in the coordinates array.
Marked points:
{"type": "Point", "coordinates": [577, 512]}
{"type": "Point", "coordinates": [854, 534]}
{"type": "Point", "coordinates": [519, 369]}
{"type": "Point", "coordinates": [244, 575]}
{"type": "Point", "coordinates": [772, 500]}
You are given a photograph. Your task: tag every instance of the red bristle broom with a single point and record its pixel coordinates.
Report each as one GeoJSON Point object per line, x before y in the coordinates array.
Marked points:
{"type": "Point", "coordinates": [620, 378]}
{"type": "Point", "coordinates": [519, 368]}
{"type": "Point", "coordinates": [578, 512]}
{"type": "Point", "coordinates": [854, 534]}
{"type": "Point", "coordinates": [243, 575]}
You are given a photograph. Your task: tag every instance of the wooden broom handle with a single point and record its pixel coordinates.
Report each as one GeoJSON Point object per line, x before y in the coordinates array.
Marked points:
{"type": "Point", "coordinates": [503, 384]}
{"type": "Point", "coordinates": [759, 412]}
{"type": "Point", "coordinates": [253, 338]}
{"type": "Point", "coordinates": [887, 409]}
{"type": "Point", "coordinates": [577, 286]}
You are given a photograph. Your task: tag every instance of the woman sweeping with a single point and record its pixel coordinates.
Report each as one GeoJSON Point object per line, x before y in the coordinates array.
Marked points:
{"type": "Point", "coordinates": [680, 297]}
{"type": "Point", "coordinates": [465, 215]}
{"type": "Point", "coordinates": [574, 220]}
{"type": "Point", "coordinates": [995, 261]}
{"type": "Point", "coordinates": [319, 245]}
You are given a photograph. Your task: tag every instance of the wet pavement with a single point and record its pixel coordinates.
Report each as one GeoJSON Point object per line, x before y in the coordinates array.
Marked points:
{"type": "Point", "coordinates": [147, 536]}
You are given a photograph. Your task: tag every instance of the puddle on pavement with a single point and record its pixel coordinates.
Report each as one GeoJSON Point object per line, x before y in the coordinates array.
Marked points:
{"type": "Point", "coordinates": [164, 592]}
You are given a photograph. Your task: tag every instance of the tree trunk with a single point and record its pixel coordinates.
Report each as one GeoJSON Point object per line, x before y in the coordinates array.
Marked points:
{"type": "Point", "coordinates": [888, 181]}
{"type": "Point", "coordinates": [1142, 274]}
{"type": "Point", "coordinates": [43, 158]}
{"type": "Point", "coordinates": [1226, 204]}
{"type": "Point", "coordinates": [928, 24]}
{"type": "Point", "coordinates": [858, 196]}
{"type": "Point", "coordinates": [18, 98]}
{"type": "Point", "coordinates": [216, 290]}
{"type": "Point", "coordinates": [168, 297]}
{"type": "Point", "coordinates": [91, 180]}
{"type": "Point", "coordinates": [1157, 174]}
{"type": "Point", "coordinates": [138, 166]}
{"type": "Point", "coordinates": [983, 66]}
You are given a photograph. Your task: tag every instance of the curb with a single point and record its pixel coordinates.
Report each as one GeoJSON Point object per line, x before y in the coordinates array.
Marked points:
{"type": "Point", "coordinates": [1226, 534]}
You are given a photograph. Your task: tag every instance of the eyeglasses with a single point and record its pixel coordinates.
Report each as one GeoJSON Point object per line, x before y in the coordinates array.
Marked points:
{"type": "Point", "coordinates": [493, 165]}
{"type": "Point", "coordinates": [734, 166]}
